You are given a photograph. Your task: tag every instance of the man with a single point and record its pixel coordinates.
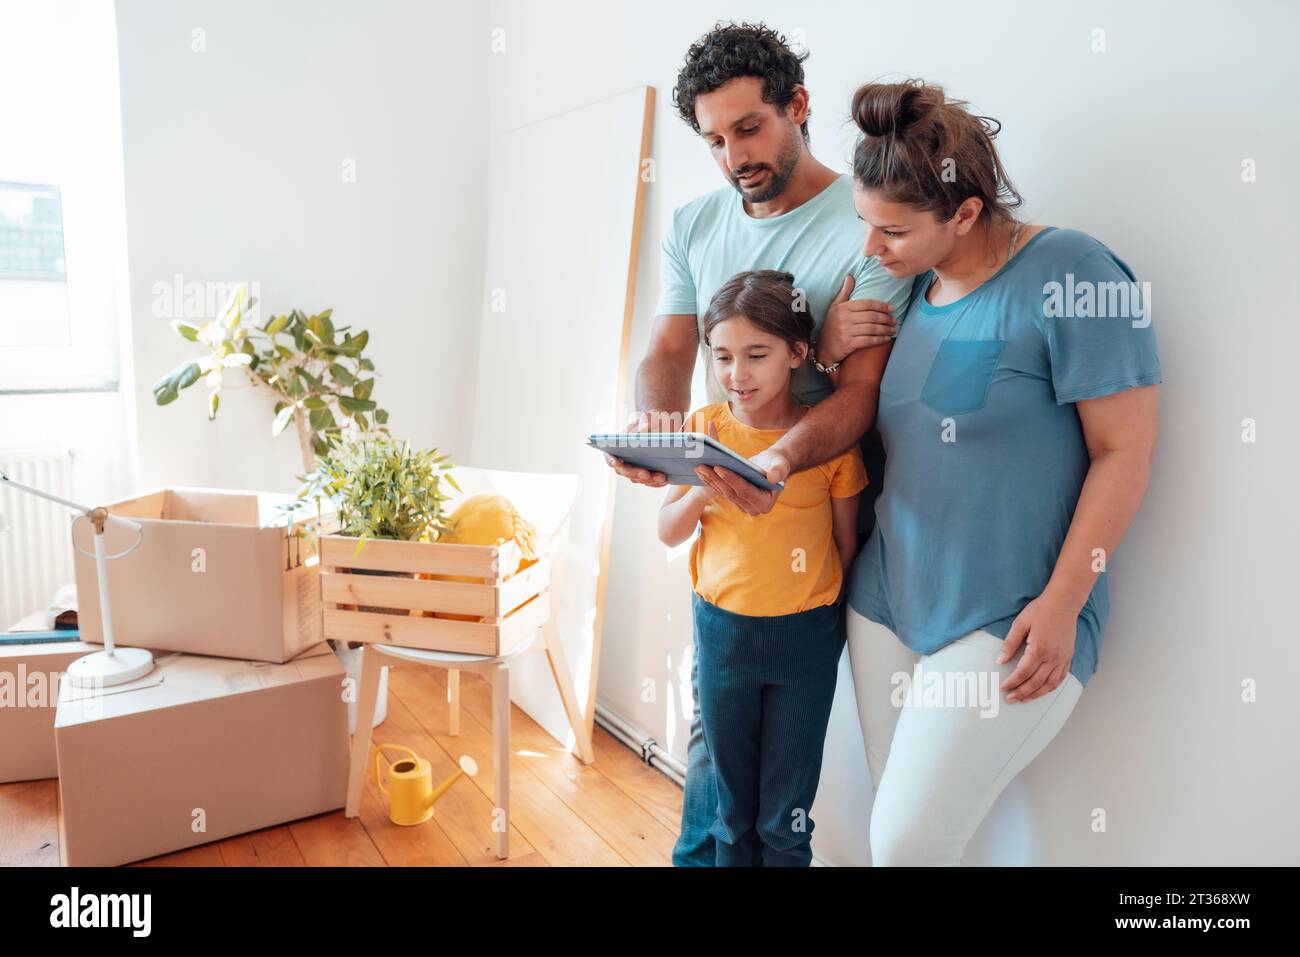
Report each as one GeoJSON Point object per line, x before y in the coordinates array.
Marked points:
{"type": "Point", "coordinates": [741, 89]}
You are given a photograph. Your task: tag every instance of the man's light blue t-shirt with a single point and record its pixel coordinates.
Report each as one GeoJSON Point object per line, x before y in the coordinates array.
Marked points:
{"type": "Point", "coordinates": [712, 238]}
{"type": "Point", "coordinates": [985, 450]}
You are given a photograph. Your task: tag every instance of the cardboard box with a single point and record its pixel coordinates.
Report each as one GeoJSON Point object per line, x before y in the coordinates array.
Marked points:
{"type": "Point", "coordinates": [218, 573]}
{"type": "Point", "coordinates": [199, 750]}
{"type": "Point", "coordinates": [29, 691]}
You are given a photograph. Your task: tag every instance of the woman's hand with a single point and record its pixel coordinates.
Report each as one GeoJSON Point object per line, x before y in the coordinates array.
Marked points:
{"type": "Point", "coordinates": [1047, 628]}
{"type": "Point", "coordinates": [854, 324]}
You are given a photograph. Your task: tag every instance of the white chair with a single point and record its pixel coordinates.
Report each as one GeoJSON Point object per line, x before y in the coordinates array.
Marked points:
{"type": "Point", "coordinates": [547, 501]}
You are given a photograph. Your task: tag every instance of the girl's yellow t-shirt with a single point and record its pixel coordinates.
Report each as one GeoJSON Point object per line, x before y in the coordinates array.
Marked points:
{"type": "Point", "coordinates": [784, 561]}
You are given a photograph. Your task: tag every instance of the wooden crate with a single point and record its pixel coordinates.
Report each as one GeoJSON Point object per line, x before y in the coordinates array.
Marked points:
{"type": "Point", "coordinates": [509, 610]}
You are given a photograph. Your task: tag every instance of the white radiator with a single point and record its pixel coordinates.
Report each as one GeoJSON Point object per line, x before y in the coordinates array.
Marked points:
{"type": "Point", "coordinates": [35, 551]}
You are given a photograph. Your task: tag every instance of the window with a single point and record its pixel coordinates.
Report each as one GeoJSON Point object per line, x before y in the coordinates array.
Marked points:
{"type": "Point", "coordinates": [33, 273]}
{"type": "Point", "coordinates": [62, 224]}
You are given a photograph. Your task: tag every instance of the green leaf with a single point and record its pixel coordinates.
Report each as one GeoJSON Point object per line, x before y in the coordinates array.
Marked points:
{"type": "Point", "coordinates": [352, 345]}
{"type": "Point", "coordinates": [283, 419]}
{"type": "Point", "coordinates": [315, 403]}
{"type": "Point", "coordinates": [164, 391]}
{"type": "Point", "coordinates": [214, 400]}
{"type": "Point", "coordinates": [351, 404]}
{"type": "Point", "coordinates": [342, 376]}
{"type": "Point", "coordinates": [189, 375]}
{"type": "Point", "coordinates": [363, 388]}
{"type": "Point", "coordinates": [276, 325]}
{"type": "Point", "coordinates": [381, 416]}
{"type": "Point", "coordinates": [367, 365]}
{"type": "Point", "coordinates": [321, 419]}
{"type": "Point", "coordinates": [186, 330]}
{"type": "Point", "coordinates": [167, 388]}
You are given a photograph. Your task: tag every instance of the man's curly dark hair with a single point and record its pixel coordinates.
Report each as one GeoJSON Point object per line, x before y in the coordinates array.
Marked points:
{"type": "Point", "coordinates": [730, 50]}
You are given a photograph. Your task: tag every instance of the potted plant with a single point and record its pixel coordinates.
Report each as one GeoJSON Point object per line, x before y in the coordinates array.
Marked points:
{"type": "Point", "coordinates": [381, 489]}
{"type": "Point", "coordinates": [321, 381]}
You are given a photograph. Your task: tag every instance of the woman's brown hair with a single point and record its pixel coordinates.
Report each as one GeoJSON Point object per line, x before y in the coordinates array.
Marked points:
{"type": "Point", "coordinates": [920, 148]}
{"type": "Point", "coordinates": [769, 300]}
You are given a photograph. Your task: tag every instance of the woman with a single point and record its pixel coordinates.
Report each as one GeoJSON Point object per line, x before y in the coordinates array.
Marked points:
{"type": "Point", "coordinates": [1018, 415]}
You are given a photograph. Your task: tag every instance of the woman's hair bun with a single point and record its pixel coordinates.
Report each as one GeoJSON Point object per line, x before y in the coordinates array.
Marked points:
{"type": "Point", "coordinates": [881, 109]}
{"type": "Point", "coordinates": [913, 136]}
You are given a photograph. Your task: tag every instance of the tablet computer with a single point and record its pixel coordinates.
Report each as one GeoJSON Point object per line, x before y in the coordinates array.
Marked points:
{"type": "Point", "coordinates": [677, 454]}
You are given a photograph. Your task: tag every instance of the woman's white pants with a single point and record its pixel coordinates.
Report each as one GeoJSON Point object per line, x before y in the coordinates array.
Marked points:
{"type": "Point", "coordinates": [942, 741]}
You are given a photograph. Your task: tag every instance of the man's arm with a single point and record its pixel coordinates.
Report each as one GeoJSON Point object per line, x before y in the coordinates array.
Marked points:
{"type": "Point", "coordinates": [837, 422]}
{"type": "Point", "coordinates": [663, 379]}
{"type": "Point", "coordinates": [663, 388]}
{"type": "Point", "coordinates": [827, 429]}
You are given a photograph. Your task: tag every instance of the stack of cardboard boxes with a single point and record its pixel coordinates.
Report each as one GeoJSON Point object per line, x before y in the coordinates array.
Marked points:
{"type": "Point", "coordinates": [242, 724]}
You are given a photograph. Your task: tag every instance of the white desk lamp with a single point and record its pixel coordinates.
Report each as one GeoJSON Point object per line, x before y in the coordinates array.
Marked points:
{"type": "Point", "coordinates": [113, 665]}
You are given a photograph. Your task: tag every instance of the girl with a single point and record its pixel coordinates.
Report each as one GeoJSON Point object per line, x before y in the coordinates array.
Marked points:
{"type": "Point", "coordinates": [1018, 431]}
{"type": "Point", "coordinates": [767, 589]}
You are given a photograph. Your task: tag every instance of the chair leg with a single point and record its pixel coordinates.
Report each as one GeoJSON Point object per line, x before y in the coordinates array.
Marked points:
{"type": "Point", "coordinates": [453, 701]}
{"type": "Point", "coordinates": [501, 752]}
{"type": "Point", "coordinates": [564, 681]}
{"type": "Point", "coordinates": [367, 699]}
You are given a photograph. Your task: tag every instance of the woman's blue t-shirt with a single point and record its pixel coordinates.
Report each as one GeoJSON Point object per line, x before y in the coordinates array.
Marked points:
{"type": "Point", "coordinates": [985, 454]}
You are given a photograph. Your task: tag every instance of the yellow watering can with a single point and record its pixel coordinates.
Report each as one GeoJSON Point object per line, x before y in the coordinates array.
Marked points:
{"type": "Point", "coordinates": [411, 779]}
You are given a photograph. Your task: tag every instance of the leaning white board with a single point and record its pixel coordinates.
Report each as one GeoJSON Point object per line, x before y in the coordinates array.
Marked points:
{"type": "Point", "coordinates": [560, 275]}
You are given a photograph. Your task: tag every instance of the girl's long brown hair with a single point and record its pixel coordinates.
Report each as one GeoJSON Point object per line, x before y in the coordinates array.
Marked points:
{"type": "Point", "coordinates": [767, 298]}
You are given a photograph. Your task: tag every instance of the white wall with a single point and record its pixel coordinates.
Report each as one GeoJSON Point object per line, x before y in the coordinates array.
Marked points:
{"type": "Point", "coordinates": [234, 164]}
{"type": "Point", "coordinates": [1141, 146]}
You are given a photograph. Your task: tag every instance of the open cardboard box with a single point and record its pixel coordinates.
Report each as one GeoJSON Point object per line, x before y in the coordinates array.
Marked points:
{"type": "Point", "coordinates": [219, 572]}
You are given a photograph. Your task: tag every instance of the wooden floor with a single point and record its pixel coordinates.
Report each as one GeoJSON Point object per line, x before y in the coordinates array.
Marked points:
{"type": "Point", "coordinates": [616, 812]}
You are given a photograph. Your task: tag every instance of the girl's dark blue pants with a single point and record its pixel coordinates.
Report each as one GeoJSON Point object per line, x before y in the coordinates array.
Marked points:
{"type": "Point", "coordinates": [766, 684]}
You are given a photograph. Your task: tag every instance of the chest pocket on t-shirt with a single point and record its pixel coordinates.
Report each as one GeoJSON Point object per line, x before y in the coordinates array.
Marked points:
{"type": "Point", "coordinates": [961, 374]}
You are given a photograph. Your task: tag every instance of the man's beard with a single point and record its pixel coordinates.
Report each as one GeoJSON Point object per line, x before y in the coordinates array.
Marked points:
{"type": "Point", "coordinates": [777, 178]}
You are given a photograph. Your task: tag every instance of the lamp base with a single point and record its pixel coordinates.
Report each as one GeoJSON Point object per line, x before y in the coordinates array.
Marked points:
{"type": "Point", "coordinates": [104, 670]}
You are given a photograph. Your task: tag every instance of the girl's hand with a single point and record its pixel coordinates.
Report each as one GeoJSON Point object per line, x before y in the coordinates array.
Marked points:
{"type": "Point", "coordinates": [1047, 628]}
{"type": "Point", "coordinates": [750, 499]}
